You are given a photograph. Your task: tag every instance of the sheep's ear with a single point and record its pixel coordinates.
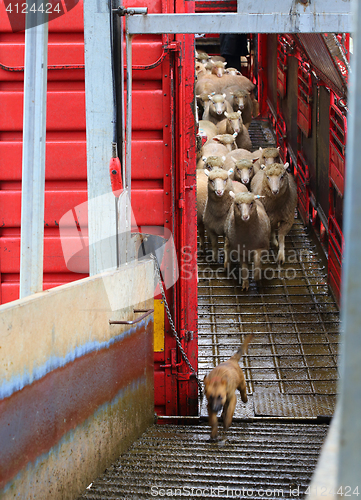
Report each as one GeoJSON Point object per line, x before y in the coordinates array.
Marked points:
{"type": "Point", "coordinates": [258, 196]}
{"type": "Point", "coordinates": [204, 158]}
{"type": "Point", "coordinates": [286, 165]}
{"type": "Point", "coordinates": [239, 113]}
{"type": "Point", "coordinates": [235, 134]}
{"type": "Point", "coordinates": [224, 64]}
{"type": "Point", "coordinates": [260, 148]}
{"type": "Point", "coordinates": [278, 148]}
{"type": "Point", "coordinates": [216, 138]}
{"type": "Point", "coordinates": [231, 194]}
{"type": "Point", "coordinates": [206, 172]}
{"type": "Point", "coordinates": [254, 160]}
{"type": "Point", "coordinates": [231, 93]}
{"type": "Point", "coordinates": [223, 159]}
{"type": "Point", "coordinates": [263, 167]}
{"type": "Point", "coordinates": [209, 96]}
{"type": "Point", "coordinates": [224, 96]}
{"type": "Point", "coordinates": [226, 114]}
{"type": "Point", "coordinates": [230, 171]}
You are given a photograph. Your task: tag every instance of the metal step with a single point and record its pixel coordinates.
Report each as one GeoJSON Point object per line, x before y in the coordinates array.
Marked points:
{"type": "Point", "coordinates": [256, 460]}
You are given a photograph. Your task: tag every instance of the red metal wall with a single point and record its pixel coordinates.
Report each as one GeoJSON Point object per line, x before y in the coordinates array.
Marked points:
{"type": "Point", "coordinates": [65, 150]}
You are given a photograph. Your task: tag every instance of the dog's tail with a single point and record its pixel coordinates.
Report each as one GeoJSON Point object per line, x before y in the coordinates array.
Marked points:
{"type": "Point", "coordinates": [243, 349]}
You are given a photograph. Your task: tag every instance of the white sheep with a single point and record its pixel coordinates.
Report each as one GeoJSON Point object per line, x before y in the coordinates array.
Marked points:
{"type": "Point", "coordinates": [279, 192]}
{"type": "Point", "coordinates": [247, 234]}
{"type": "Point", "coordinates": [267, 156]}
{"type": "Point", "coordinates": [216, 107]}
{"type": "Point", "coordinates": [218, 204]}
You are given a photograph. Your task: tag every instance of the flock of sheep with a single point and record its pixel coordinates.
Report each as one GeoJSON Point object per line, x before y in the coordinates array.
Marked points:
{"type": "Point", "coordinates": [247, 197]}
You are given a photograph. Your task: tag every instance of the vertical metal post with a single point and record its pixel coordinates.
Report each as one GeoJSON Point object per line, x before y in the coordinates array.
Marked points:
{"type": "Point", "coordinates": [349, 466]}
{"type": "Point", "coordinates": [99, 95]}
{"type": "Point", "coordinates": [33, 163]}
{"type": "Point", "coordinates": [128, 161]}
{"type": "Point", "coordinates": [128, 178]}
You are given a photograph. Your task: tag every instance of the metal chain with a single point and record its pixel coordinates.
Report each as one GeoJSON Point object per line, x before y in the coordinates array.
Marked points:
{"type": "Point", "coordinates": [184, 355]}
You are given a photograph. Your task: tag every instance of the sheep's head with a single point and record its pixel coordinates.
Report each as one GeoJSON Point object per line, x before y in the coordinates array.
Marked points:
{"type": "Point", "coordinates": [218, 181]}
{"type": "Point", "coordinates": [219, 102]}
{"type": "Point", "coordinates": [218, 68]}
{"type": "Point", "coordinates": [234, 120]}
{"type": "Point", "coordinates": [244, 204]}
{"type": "Point", "coordinates": [239, 98]}
{"type": "Point", "coordinates": [270, 155]}
{"type": "Point", "coordinates": [202, 57]}
{"type": "Point", "coordinates": [276, 176]}
{"type": "Point", "coordinates": [243, 170]}
{"type": "Point", "coordinates": [211, 162]}
{"type": "Point", "coordinates": [228, 140]}
{"type": "Point", "coordinates": [232, 71]}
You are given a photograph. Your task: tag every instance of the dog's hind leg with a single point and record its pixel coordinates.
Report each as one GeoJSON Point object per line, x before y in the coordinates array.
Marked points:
{"type": "Point", "coordinates": [243, 390]}
{"type": "Point", "coordinates": [228, 414]}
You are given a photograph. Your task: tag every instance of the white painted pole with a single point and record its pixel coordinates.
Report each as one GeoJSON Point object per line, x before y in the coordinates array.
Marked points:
{"type": "Point", "coordinates": [33, 163]}
{"type": "Point", "coordinates": [99, 135]}
{"type": "Point", "coordinates": [349, 463]}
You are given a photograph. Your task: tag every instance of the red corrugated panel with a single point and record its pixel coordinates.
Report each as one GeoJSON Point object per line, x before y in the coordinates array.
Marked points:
{"type": "Point", "coordinates": [338, 133]}
{"type": "Point", "coordinates": [304, 110]}
{"type": "Point", "coordinates": [65, 150]}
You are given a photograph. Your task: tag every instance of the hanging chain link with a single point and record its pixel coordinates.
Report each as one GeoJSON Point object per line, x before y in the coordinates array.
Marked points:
{"type": "Point", "coordinates": [179, 344]}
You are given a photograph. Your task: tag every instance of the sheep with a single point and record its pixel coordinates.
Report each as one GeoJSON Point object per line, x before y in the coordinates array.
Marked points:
{"type": "Point", "coordinates": [218, 204]}
{"type": "Point", "coordinates": [202, 57]}
{"type": "Point", "coordinates": [241, 100]}
{"type": "Point", "coordinates": [211, 149]}
{"type": "Point", "coordinates": [228, 140]}
{"type": "Point", "coordinates": [247, 233]}
{"type": "Point", "coordinates": [207, 128]}
{"type": "Point", "coordinates": [233, 123]}
{"type": "Point", "coordinates": [232, 71]}
{"type": "Point", "coordinates": [212, 162]}
{"type": "Point", "coordinates": [216, 107]}
{"type": "Point", "coordinates": [240, 154]}
{"type": "Point", "coordinates": [202, 101]}
{"type": "Point", "coordinates": [237, 82]}
{"type": "Point", "coordinates": [200, 69]}
{"type": "Point", "coordinates": [243, 171]}
{"type": "Point", "coordinates": [218, 68]}
{"type": "Point", "coordinates": [280, 201]}
{"type": "Point", "coordinates": [267, 157]}
{"type": "Point", "coordinates": [207, 84]}
{"type": "Point", "coordinates": [202, 190]}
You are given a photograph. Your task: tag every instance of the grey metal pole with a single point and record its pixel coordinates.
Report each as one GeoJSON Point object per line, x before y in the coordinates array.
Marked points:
{"type": "Point", "coordinates": [33, 163]}
{"type": "Point", "coordinates": [349, 464]}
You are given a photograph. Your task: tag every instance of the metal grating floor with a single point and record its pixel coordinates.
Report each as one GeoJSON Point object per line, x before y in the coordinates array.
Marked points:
{"type": "Point", "coordinates": [293, 317]}
{"type": "Point", "coordinates": [257, 460]}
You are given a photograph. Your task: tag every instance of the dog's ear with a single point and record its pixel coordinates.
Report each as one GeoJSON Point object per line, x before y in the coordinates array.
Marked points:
{"type": "Point", "coordinates": [224, 380]}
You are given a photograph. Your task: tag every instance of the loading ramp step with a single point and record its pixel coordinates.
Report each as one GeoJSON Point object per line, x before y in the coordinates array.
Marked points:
{"type": "Point", "coordinates": [256, 460]}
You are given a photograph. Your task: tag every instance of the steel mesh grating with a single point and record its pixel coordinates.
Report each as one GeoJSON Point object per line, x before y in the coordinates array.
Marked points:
{"type": "Point", "coordinates": [257, 460]}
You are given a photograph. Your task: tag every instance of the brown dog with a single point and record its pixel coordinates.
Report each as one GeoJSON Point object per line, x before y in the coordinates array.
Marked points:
{"type": "Point", "coordinates": [220, 388]}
